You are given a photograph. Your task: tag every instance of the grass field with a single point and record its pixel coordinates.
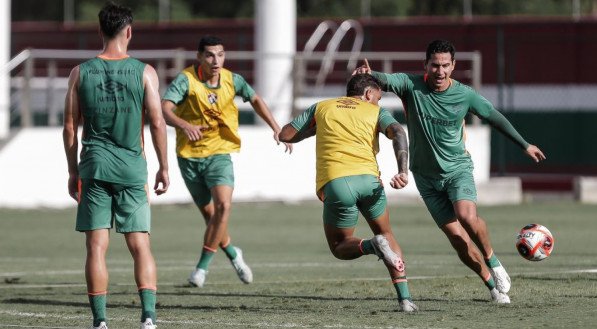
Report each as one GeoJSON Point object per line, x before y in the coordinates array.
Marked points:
{"type": "Point", "coordinates": [298, 283]}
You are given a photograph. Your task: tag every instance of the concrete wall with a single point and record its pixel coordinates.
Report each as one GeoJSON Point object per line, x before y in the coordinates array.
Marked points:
{"type": "Point", "coordinates": [33, 169]}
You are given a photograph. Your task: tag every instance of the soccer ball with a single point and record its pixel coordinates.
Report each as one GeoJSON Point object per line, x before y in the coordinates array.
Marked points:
{"type": "Point", "coordinates": [534, 242]}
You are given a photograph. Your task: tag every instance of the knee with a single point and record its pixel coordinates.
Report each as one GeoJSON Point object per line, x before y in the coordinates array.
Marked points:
{"type": "Point", "coordinates": [337, 254]}
{"type": "Point", "coordinates": [222, 207]}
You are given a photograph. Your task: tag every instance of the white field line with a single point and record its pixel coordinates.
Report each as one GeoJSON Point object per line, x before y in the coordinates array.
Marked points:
{"type": "Point", "coordinates": [193, 323]}
{"type": "Point", "coordinates": [270, 265]}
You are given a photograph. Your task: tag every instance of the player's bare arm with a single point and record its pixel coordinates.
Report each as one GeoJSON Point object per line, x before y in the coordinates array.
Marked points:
{"type": "Point", "coordinates": [396, 133]}
{"type": "Point", "coordinates": [193, 132]}
{"type": "Point", "coordinates": [263, 111]}
{"type": "Point", "coordinates": [70, 131]}
{"type": "Point", "coordinates": [157, 126]}
{"type": "Point", "coordinates": [289, 134]}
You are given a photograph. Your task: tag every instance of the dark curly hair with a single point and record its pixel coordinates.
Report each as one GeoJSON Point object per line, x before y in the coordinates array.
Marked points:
{"type": "Point", "coordinates": [358, 84]}
{"type": "Point", "coordinates": [439, 47]}
{"type": "Point", "coordinates": [113, 18]}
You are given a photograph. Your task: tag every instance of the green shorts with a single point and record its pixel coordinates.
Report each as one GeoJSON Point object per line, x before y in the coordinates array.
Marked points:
{"type": "Point", "coordinates": [440, 194]}
{"type": "Point", "coordinates": [103, 203]}
{"type": "Point", "coordinates": [201, 174]}
{"type": "Point", "coordinates": [344, 197]}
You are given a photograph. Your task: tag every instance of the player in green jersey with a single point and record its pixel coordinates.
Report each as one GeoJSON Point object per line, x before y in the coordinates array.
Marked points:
{"type": "Point", "coordinates": [347, 132]}
{"type": "Point", "coordinates": [435, 107]}
{"type": "Point", "coordinates": [199, 103]}
{"type": "Point", "coordinates": [110, 95]}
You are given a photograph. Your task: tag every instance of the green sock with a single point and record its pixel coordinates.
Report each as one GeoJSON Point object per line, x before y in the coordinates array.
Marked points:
{"type": "Point", "coordinates": [366, 247]}
{"type": "Point", "coordinates": [206, 257]}
{"type": "Point", "coordinates": [490, 283]}
{"type": "Point", "coordinates": [493, 261]}
{"type": "Point", "coordinates": [148, 299]}
{"type": "Point", "coordinates": [401, 286]}
{"type": "Point", "coordinates": [230, 251]}
{"type": "Point", "coordinates": [98, 308]}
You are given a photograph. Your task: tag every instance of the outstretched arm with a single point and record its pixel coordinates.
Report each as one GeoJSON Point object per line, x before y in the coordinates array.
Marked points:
{"type": "Point", "coordinates": [157, 126]}
{"type": "Point", "coordinates": [263, 111]}
{"type": "Point", "coordinates": [499, 122]}
{"type": "Point", "coordinates": [396, 133]}
{"type": "Point", "coordinates": [70, 131]}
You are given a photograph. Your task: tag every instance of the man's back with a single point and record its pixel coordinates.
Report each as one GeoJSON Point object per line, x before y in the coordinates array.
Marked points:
{"type": "Point", "coordinates": [347, 138]}
{"type": "Point", "coordinates": [111, 101]}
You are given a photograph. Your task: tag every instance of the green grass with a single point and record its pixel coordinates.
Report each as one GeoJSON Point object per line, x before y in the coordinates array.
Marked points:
{"type": "Point", "coordinates": [298, 283]}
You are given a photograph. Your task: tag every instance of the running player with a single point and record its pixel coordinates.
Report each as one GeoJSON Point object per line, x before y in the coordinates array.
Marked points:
{"type": "Point", "coordinates": [199, 103]}
{"type": "Point", "coordinates": [347, 132]}
{"type": "Point", "coordinates": [435, 107]}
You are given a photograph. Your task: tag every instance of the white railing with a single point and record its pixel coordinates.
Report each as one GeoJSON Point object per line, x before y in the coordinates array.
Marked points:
{"type": "Point", "coordinates": [45, 93]}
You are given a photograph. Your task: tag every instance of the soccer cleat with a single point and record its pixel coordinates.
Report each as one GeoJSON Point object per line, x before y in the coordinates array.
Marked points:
{"type": "Point", "coordinates": [148, 324]}
{"type": "Point", "coordinates": [102, 325]}
{"type": "Point", "coordinates": [197, 277]}
{"type": "Point", "coordinates": [382, 249]}
{"type": "Point", "coordinates": [499, 297]}
{"type": "Point", "coordinates": [501, 278]}
{"type": "Point", "coordinates": [242, 269]}
{"type": "Point", "coordinates": [407, 305]}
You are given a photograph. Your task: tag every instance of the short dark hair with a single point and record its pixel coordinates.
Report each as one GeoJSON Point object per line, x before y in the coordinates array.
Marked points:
{"type": "Point", "coordinates": [358, 84]}
{"type": "Point", "coordinates": [209, 40]}
{"type": "Point", "coordinates": [439, 47]}
{"type": "Point", "coordinates": [113, 18]}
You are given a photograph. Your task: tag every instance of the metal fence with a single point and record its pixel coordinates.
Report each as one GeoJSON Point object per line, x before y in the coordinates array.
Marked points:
{"type": "Point", "coordinates": [39, 77]}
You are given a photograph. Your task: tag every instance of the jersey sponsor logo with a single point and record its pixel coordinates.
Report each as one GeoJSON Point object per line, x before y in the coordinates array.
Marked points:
{"type": "Point", "coordinates": [111, 86]}
{"type": "Point", "coordinates": [439, 122]}
{"type": "Point", "coordinates": [347, 104]}
{"type": "Point", "coordinates": [214, 113]}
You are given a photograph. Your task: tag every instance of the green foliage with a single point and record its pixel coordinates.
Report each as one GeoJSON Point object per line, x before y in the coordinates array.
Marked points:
{"type": "Point", "coordinates": [298, 283]}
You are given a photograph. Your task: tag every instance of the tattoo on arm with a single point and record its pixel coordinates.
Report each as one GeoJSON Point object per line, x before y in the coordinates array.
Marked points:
{"type": "Point", "coordinates": [396, 133]}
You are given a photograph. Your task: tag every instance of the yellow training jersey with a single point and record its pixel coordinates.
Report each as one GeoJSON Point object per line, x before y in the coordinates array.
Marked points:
{"type": "Point", "coordinates": [347, 139]}
{"type": "Point", "coordinates": [211, 107]}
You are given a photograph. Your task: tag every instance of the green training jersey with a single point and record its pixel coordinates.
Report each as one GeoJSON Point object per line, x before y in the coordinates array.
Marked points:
{"type": "Point", "coordinates": [435, 122]}
{"type": "Point", "coordinates": [111, 103]}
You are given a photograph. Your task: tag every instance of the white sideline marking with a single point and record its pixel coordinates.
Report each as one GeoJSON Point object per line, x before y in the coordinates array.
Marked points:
{"type": "Point", "coordinates": [179, 322]}
{"type": "Point", "coordinates": [72, 285]}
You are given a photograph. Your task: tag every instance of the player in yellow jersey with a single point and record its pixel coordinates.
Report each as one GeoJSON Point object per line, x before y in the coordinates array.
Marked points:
{"type": "Point", "coordinates": [347, 130]}
{"type": "Point", "coordinates": [199, 103]}
{"type": "Point", "coordinates": [110, 95]}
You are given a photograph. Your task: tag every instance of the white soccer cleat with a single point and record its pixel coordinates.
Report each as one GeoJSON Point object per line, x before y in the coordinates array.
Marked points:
{"type": "Point", "coordinates": [102, 325]}
{"type": "Point", "coordinates": [197, 277]}
{"type": "Point", "coordinates": [148, 324]}
{"type": "Point", "coordinates": [501, 278]}
{"type": "Point", "coordinates": [242, 269]}
{"type": "Point", "coordinates": [408, 306]}
{"type": "Point", "coordinates": [499, 297]}
{"type": "Point", "coordinates": [382, 249]}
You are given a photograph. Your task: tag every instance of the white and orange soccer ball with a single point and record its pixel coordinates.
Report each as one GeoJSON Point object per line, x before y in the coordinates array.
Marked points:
{"type": "Point", "coordinates": [534, 242]}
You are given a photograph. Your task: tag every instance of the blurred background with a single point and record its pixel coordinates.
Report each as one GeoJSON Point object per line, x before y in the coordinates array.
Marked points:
{"type": "Point", "coordinates": [532, 59]}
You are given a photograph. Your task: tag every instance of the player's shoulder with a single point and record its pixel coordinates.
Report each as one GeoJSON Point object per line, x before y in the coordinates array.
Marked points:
{"type": "Point", "coordinates": [462, 86]}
